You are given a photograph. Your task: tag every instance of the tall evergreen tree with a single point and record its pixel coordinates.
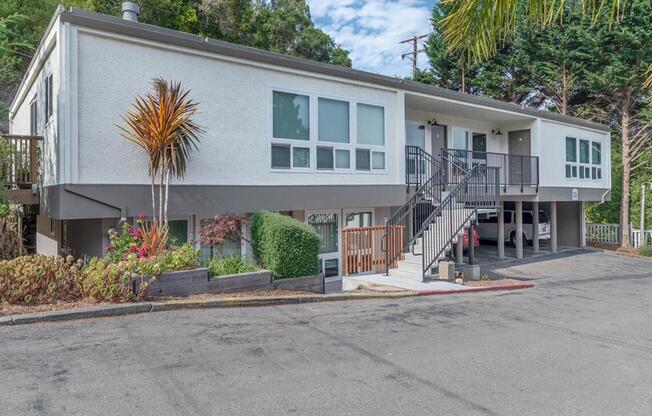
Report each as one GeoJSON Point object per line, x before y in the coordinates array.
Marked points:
{"type": "Point", "coordinates": [283, 26]}
{"type": "Point", "coordinates": [616, 74]}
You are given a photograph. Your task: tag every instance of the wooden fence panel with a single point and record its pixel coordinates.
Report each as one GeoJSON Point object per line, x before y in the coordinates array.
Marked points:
{"type": "Point", "coordinates": [362, 248]}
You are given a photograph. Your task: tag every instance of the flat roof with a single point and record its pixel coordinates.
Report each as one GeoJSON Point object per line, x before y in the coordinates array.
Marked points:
{"type": "Point", "coordinates": [168, 36]}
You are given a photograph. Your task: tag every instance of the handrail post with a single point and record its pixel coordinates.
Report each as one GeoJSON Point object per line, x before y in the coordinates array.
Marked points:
{"type": "Point", "coordinates": [471, 241]}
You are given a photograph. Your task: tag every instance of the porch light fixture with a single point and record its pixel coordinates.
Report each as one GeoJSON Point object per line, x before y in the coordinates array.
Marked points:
{"type": "Point", "coordinates": [432, 122]}
{"type": "Point", "coordinates": [497, 132]}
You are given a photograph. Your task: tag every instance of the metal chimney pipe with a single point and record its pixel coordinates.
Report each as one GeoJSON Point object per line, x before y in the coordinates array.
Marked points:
{"type": "Point", "coordinates": [130, 11]}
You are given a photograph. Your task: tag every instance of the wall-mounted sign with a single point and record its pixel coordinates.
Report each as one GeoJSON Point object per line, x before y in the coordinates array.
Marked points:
{"type": "Point", "coordinates": [575, 194]}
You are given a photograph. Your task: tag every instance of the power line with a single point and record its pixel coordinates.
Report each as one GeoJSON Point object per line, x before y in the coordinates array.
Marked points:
{"type": "Point", "coordinates": [415, 51]}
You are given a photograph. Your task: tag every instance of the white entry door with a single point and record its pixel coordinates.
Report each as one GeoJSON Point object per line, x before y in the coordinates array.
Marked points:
{"type": "Point", "coordinates": [328, 224]}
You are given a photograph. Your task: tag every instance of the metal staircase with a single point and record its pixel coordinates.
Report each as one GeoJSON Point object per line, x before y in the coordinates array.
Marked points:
{"type": "Point", "coordinates": [435, 216]}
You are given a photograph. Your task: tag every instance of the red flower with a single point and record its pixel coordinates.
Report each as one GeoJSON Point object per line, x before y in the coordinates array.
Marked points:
{"type": "Point", "coordinates": [133, 248]}
{"type": "Point", "coordinates": [142, 216]}
{"type": "Point", "coordinates": [110, 249]}
{"type": "Point", "coordinates": [142, 252]}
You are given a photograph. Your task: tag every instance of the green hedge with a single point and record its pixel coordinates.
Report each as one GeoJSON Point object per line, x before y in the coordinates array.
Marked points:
{"type": "Point", "coordinates": [285, 246]}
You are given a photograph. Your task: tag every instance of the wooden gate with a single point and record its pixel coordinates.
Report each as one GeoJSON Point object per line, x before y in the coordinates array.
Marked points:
{"type": "Point", "coordinates": [362, 249]}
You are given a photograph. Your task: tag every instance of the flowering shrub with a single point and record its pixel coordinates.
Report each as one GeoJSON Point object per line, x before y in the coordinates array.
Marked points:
{"type": "Point", "coordinates": [145, 240]}
{"type": "Point", "coordinates": [106, 280]}
{"type": "Point", "coordinates": [40, 279]}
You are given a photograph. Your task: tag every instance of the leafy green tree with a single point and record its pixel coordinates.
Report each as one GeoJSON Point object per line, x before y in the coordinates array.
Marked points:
{"type": "Point", "coordinates": [448, 69]}
{"type": "Point", "coordinates": [505, 76]}
{"type": "Point", "coordinates": [616, 74]}
{"type": "Point", "coordinates": [557, 63]}
{"type": "Point", "coordinates": [282, 26]}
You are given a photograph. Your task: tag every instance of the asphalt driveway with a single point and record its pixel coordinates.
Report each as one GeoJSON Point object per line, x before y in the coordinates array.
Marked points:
{"type": "Point", "coordinates": [580, 342]}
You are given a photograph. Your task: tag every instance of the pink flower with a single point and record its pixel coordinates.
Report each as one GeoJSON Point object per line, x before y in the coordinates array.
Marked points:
{"type": "Point", "coordinates": [133, 248]}
{"type": "Point", "coordinates": [142, 252]}
{"type": "Point", "coordinates": [142, 216]}
{"type": "Point", "coordinates": [110, 249]}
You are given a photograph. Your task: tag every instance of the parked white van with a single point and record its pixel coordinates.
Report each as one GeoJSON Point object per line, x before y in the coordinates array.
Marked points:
{"type": "Point", "coordinates": [488, 226]}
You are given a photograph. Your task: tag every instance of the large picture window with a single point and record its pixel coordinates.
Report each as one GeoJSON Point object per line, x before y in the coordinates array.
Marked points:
{"type": "Point", "coordinates": [333, 120]}
{"type": "Point", "coordinates": [371, 125]}
{"type": "Point", "coordinates": [333, 145]}
{"type": "Point", "coordinates": [291, 116]}
{"type": "Point", "coordinates": [583, 159]}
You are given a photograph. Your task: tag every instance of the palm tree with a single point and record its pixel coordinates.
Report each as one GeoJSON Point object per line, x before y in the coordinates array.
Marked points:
{"type": "Point", "coordinates": [161, 124]}
{"type": "Point", "coordinates": [478, 27]}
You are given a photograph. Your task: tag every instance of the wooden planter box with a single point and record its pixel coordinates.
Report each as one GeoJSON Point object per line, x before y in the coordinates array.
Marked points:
{"type": "Point", "coordinates": [197, 281]}
{"type": "Point", "coordinates": [305, 284]}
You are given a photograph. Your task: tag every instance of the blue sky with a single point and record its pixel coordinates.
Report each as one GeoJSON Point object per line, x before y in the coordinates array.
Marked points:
{"type": "Point", "coordinates": [371, 30]}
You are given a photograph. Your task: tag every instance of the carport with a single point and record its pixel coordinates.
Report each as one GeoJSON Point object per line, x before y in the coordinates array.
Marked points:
{"type": "Point", "coordinates": [566, 230]}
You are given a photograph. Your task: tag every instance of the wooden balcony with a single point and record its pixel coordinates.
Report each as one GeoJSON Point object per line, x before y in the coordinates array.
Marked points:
{"type": "Point", "coordinates": [21, 170]}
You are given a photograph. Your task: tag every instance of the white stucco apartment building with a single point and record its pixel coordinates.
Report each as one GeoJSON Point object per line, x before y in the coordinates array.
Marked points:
{"type": "Point", "coordinates": [322, 143]}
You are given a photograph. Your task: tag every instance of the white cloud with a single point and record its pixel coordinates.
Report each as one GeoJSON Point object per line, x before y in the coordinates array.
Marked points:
{"type": "Point", "coordinates": [372, 29]}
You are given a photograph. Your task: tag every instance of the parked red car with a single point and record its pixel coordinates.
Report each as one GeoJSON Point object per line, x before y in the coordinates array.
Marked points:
{"type": "Point", "coordinates": [465, 240]}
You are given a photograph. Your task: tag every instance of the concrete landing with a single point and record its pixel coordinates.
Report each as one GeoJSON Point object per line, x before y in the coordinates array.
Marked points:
{"type": "Point", "coordinates": [371, 280]}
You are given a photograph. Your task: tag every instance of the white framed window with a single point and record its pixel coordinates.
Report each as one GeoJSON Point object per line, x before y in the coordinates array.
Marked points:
{"type": "Point", "coordinates": [370, 149]}
{"type": "Point", "coordinates": [33, 116]}
{"type": "Point", "coordinates": [49, 100]}
{"type": "Point", "coordinates": [326, 134]}
{"type": "Point", "coordinates": [290, 147]}
{"type": "Point", "coordinates": [583, 159]}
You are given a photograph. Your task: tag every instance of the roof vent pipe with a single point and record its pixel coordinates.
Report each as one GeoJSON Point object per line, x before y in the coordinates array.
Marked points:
{"type": "Point", "coordinates": [130, 11]}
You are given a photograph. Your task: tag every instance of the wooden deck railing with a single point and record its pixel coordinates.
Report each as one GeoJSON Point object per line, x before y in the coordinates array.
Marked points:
{"type": "Point", "coordinates": [21, 170]}
{"type": "Point", "coordinates": [362, 249]}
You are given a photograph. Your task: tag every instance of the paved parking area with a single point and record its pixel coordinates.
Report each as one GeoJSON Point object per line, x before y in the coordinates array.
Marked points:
{"type": "Point", "coordinates": [579, 343]}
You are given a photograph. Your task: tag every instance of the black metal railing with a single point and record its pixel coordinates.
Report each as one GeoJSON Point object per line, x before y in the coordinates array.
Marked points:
{"type": "Point", "coordinates": [411, 216]}
{"type": "Point", "coordinates": [515, 170]}
{"type": "Point", "coordinates": [420, 166]}
{"type": "Point", "coordinates": [478, 188]}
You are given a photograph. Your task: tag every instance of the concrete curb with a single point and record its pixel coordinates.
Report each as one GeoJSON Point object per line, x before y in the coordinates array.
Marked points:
{"type": "Point", "coordinates": [515, 286]}
{"type": "Point", "coordinates": [146, 307]}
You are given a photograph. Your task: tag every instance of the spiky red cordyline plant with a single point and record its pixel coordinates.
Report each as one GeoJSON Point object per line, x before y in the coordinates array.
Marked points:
{"type": "Point", "coordinates": [161, 124]}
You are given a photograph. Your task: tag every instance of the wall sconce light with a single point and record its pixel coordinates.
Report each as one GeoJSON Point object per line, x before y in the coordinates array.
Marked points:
{"type": "Point", "coordinates": [432, 122]}
{"type": "Point", "coordinates": [497, 132]}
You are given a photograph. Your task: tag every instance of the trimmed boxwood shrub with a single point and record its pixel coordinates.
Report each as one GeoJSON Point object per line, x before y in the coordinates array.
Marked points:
{"type": "Point", "coordinates": [285, 246]}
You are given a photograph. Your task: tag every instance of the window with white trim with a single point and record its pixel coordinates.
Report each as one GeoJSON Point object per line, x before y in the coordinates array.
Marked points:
{"type": "Point", "coordinates": [333, 134]}
{"type": "Point", "coordinates": [290, 131]}
{"type": "Point", "coordinates": [344, 135]}
{"type": "Point", "coordinates": [49, 100]}
{"type": "Point", "coordinates": [33, 116]}
{"type": "Point", "coordinates": [370, 146]}
{"type": "Point", "coordinates": [583, 159]}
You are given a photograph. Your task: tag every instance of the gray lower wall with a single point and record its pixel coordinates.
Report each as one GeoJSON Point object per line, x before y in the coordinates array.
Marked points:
{"type": "Point", "coordinates": [568, 224]}
{"type": "Point", "coordinates": [89, 237]}
{"type": "Point", "coordinates": [114, 201]}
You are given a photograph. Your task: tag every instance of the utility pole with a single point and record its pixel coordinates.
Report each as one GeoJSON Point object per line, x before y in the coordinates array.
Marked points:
{"type": "Point", "coordinates": [415, 51]}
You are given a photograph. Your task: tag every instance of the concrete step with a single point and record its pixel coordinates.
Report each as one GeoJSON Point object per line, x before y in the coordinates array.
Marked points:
{"type": "Point", "coordinates": [407, 274]}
